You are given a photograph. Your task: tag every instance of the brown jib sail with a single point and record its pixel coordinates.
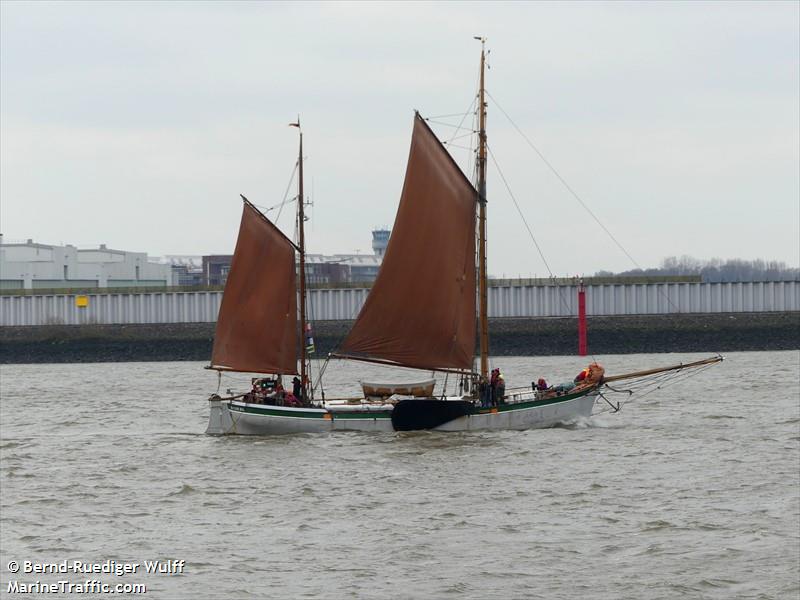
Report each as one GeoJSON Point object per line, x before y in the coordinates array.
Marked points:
{"type": "Point", "coordinates": [421, 310]}
{"type": "Point", "coordinates": [257, 324]}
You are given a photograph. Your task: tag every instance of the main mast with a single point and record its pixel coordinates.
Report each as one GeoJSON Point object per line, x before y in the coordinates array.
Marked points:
{"type": "Point", "coordinates": [302, 243]}
{"type": "Point", "coordinates": [482, 277]}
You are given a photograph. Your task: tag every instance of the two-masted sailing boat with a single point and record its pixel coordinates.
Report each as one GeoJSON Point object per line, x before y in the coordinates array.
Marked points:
{"type": "Point", "coordinates": [420, 313]}
{"type": "Point", "coordinates": [261, 329]}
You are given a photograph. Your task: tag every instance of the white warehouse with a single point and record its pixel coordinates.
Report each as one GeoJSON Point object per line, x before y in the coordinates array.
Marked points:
{"type": "Point", "coordinates": [33, 266]}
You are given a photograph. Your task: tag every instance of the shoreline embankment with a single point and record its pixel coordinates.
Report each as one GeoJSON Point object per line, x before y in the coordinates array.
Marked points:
{"type": "Point", "coordinates": [726, 332]}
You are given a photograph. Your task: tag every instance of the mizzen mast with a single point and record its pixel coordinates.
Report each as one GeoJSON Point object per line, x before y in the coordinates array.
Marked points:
{"type": "Point", "coordinates": [302, 289]}
{"type": "Point", "coordinates": [481, 168]}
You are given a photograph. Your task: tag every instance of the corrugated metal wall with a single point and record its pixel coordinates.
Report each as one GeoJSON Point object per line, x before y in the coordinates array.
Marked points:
{"type": "Point", "coordinates": [338, 304]}
{"type": "Point", "coordinates": [645, 299]}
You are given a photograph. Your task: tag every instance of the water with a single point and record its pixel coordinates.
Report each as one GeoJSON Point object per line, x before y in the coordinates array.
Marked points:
{"type": "Point", "coordinates": [692, 491]}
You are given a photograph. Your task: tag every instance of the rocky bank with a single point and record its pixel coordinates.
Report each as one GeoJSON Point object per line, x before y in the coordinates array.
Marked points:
{"type": "Point", "coordinates": [508, 337]}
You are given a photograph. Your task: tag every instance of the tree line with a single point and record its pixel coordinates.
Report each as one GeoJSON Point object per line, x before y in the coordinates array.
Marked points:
{"type": "Point", "coordinates": [717, 270]}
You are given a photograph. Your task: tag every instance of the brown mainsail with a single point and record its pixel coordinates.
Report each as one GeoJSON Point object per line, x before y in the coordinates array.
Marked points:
{"type": "Point", "coordinates": [421, 310]}
{"type": "Point", "coordinates": [257, 324]}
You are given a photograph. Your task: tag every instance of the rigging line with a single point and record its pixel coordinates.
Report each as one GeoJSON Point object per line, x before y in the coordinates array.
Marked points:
{"type": "Point", "coordinates": [474, 142]}
{"type": "Point", "coordinates": [464, 116]}
{"type": "Point", "coordinates": [646, 382]}
{"type": "Point", "coordinates": [469, 110]}
{"type": "Point", "coordinates": [528, 227]}
{"type": "Point", "coordinates": [641, 388]}
{"type": "Point", "coordinates": [473, 153]}
{"type": "Point", "coordinates": [573, 192]}
{"type": "Point", "coordinates": [444, 124]}
{"type": "Point", "coordinates": [338, 343]}
{"type": "Point", "coordinates": [562, 180]}
{"type": "Point", "coordinates": [286, 194]}
{"type": "Point", "coordinates": [660, 383]}
{"type": "Point", "coordinates": [321, 374]}
{"type": "Point", "coordinates": [452, 115]}
{"type": "Point", "coordinates": [460, 147]}
{"type": "Point", "coordinates": [266, 209]}
{"type": "Point", "coordinates": [458, 137]}
{"type": "Point", "coordinates": [312, 319]}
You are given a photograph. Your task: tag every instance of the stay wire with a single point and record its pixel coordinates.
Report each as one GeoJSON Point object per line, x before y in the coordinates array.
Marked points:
{"type": "Point", "coordinates": [458, 137]}
{"type": "Point", "coordinates": [312, 319]}
{"type": "Point", "coordinates": [285, 196]}
{"type": "Point", "coordinates": [574, 193]}
{"type": "Point", "coordinates": [469, 111]}
{"type": "Point", "coordinates": [445, 124]}
{"type": "Point", "coordinates": [458, 128]}
{"type": "Point", "coordinates": [460, 147]}
{"type": "Point", "coordinates": [650, 384]}
{"type": "Point", "coordinates": [356, 308]}
{"type": "Point", "coordinates": [562, 180]}
{"type": "Point", "coordinates": [528, 227]}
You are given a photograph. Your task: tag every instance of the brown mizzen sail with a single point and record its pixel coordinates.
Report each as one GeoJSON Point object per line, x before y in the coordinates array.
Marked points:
{"type": "Point", "coordinates": [421, 310]}
{"type": "Point", "coordinates": [257, 324]}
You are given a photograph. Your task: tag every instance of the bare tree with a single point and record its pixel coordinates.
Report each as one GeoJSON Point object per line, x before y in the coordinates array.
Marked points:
{"type": "Point", "coordinates": [718, 270]}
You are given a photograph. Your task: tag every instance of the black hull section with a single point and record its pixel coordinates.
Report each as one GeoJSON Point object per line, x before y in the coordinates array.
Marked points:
{"type": "Point", "coordinates": [414, 415]}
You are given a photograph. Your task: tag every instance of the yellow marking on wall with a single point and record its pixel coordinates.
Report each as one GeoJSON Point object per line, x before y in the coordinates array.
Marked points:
{"type": "Point", "coordinates": [81, 301]}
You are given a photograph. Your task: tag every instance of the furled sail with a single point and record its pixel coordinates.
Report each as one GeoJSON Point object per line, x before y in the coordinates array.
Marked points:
{"type": "Point", "coordinates": [257, 323]}
{"type": "Point", "coordinates": [421, 309]}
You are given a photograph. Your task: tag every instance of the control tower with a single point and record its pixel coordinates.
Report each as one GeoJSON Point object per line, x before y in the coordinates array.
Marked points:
{"type": "Point", "coordinates": [380, 239]}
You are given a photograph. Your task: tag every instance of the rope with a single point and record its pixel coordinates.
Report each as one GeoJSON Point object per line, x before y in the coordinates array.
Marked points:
{"type": "Point", "coordinates": [469, 133]}
{"type": "Point", "coordinates": [574, 193]}
{"type": "Point", "coordinates": [285, 196]}
{"type": "Point", "coordinates": [528, 227]}
{"type": "Point", "coordinates": [469, 111]}
{"type": "Point", "coordinates": [449, 145]}
{"type": "Point", "coordinates": [310, 301]}
{"type": "Point", "coordinates": [445, 124]}
{"type": "Point", "coordinates": [457, 128]}
{"type": "Point", "coordinates": [328, 358]}
{"type": "Point", "coordinates": [649, 384]}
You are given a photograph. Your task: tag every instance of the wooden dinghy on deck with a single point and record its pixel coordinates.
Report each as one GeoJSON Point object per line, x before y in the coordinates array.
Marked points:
{"type": "Point", "coordinates": [420, 389]}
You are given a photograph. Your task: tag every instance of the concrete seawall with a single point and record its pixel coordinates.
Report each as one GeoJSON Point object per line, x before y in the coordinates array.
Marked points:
{"type": "Point", "coordinates": [509, 337]}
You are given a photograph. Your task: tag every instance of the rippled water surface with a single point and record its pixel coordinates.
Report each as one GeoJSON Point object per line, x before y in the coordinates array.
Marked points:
{"type": "Point", "coordinates": [690, 492]}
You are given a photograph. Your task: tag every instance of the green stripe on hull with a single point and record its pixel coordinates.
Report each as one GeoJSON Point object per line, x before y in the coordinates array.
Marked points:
{"type": "Point", "coordinates": [321, 415]}
{"type": "Point", "coordinates": [537, 403]}
{"type": "Point", "coordinates": [273, 412]}
{"type": "Point", "coordinates": [361, 415]}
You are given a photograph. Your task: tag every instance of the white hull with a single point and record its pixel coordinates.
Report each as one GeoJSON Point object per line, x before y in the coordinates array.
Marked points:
{"type": "Point", "coordinates": [235, 417]}
{"type": "Point", "coordinates": [535, 417]}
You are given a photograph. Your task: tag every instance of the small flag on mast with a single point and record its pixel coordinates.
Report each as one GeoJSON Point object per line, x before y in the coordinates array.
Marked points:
{"type": "Point", "coordinates": [309, 338]}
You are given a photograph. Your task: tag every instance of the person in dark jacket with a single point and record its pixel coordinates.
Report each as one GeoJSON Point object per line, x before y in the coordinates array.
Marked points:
{"type": "Point", "coordinates": [493, 386]}
{"type": "Point", "coordinates": [499, 388]}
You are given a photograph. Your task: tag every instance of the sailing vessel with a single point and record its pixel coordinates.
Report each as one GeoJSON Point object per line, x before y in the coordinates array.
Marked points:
{"type": "Point", "coordinates": [262, 329]}
{"type": "Point", "coordinates": [419, 314]}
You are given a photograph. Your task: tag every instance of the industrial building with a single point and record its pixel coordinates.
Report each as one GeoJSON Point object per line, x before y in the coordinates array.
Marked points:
{"type": "Point", "coordinates": [187, 271]}
{"type": "Point", "coordinates": [321, 269]}
{"type": "Point", "coordinates": [33, 266]}
{"type": "Point", "coordinates": [30, 266]}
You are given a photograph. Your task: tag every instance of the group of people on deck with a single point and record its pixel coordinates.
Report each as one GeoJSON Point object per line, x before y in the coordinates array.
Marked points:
{"type": "Point", "coordinates": [271, 391]}
{"type": "Point", "coordinates": [590, 376]}
{"type": "Point", "coordinates": [493, 392]}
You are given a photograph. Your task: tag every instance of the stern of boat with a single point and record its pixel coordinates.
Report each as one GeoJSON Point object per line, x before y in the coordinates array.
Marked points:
{"type": "Point", "coordinates": [219, 417]}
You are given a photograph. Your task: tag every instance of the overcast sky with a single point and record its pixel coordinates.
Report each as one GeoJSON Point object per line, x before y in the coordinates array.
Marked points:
{"type": "Point", "coordinates": [138, 124]}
